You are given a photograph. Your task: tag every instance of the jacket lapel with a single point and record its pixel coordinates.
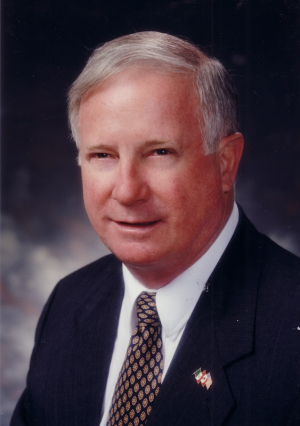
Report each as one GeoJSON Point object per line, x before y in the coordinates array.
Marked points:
{"type": "Point", "coordinates": [181, 400]}
{"type": "Point", "coordinates": [234, 288]}
{"type": "Point", "coordinates": [97, 333]}
{"type": "Point", "coordinates": [83, 358]}
{"type": "Point", "coordinates": [219, 333]}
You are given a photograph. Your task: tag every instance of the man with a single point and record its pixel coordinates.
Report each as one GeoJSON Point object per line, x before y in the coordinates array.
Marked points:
{"type": "Point", "coordinates": [215, 302]}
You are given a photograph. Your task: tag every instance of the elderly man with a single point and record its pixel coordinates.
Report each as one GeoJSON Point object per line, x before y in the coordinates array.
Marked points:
{"type": "Point", "coordinates": [208, 305]}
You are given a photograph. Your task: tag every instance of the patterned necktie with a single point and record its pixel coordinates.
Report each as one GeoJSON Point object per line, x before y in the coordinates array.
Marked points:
{"type": "Point", "coordinates": [139, 380]}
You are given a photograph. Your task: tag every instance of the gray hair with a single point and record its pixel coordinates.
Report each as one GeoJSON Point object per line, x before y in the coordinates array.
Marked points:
{"type": "Point", "coordinates": [218, 116]}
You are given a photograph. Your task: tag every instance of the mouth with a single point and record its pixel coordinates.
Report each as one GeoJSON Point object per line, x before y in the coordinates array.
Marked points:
{"type": "Point", "coordinates": [138, 224]}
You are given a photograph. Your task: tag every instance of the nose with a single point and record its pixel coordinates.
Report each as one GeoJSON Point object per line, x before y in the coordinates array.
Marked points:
{"type": "Point", "coordinates": [130, 184]}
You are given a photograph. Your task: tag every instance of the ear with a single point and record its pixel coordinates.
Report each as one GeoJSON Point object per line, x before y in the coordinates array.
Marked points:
{"type": "Point", "coordinates": [229, 154]}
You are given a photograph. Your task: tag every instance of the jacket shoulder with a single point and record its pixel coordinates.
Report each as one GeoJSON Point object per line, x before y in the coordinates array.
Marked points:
{"type": "Point", "coordinates": [80, 291]}
{"type": "Point", "coordinates": [264, 250]}
{"type": "Point", "coordinates": [101, 267]}
{"type": "Point", "coordinates": [278, 264]}
{"type": "Point", "coordinates": [280, 255]}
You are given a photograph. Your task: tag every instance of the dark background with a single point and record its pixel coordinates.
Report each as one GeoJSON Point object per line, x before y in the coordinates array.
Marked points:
{"type": "Point", "coordinates": [44, 46]}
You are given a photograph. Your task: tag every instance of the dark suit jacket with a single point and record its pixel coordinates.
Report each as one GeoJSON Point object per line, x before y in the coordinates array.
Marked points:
{"type": "Point", "coordinates": [245, 331]}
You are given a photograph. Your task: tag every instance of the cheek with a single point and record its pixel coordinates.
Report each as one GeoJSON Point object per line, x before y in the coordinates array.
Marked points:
{"type": "Point", "coordinates": [172, 191]}
{"type": "Point", "coordinates": [93, 192]}
{"type": "Point", "coordinates": [203, 192]}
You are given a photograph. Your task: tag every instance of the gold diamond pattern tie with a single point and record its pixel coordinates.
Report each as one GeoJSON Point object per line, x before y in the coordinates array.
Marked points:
{"type": "Point", "coordinates": [139, 380]}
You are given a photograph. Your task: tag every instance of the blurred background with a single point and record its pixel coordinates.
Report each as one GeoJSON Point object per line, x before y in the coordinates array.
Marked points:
{"type": "Point", "coordinates": [45, 232]}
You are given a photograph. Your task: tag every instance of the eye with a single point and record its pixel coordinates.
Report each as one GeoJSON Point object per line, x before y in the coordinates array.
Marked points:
{"type": "Point", "coordinates": [101, 155]}
{"type": "Point", "coordinates": [162, 151]}
{"type": "Point", "coordinates": [97, 155]}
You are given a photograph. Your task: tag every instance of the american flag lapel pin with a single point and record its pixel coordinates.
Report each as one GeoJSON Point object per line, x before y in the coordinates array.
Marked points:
{"type": "Point", "coordinates": [203, 378]}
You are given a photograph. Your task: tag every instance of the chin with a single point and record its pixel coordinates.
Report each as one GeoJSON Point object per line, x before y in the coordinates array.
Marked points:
{"type": "Point", "coordinates": [137, 261]}
{"type": "Point", "coordinates": [136, 257]}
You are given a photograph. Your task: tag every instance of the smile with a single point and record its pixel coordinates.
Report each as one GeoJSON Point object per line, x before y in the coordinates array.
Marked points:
{"type": "Point", "coordinates": [137, 223]}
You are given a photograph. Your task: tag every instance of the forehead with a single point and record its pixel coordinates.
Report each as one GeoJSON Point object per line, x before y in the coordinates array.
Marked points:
{"type": "Point", "coordinates": [147, 84]}
{"type": "Point", "coordinates": [139, 99]}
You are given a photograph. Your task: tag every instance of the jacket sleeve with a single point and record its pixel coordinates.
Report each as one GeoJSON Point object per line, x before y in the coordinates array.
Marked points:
{"type": "Point", "coordinates": [19, 417]}
{"type": "Point", "coordinates": [294, 419]}
{"type": "Point", "coordinates": [19, 414]}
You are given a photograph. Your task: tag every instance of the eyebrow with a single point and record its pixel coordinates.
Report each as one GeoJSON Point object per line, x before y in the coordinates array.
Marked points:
{"type": "Point", "coordinates": [145, 144]}
{"type": "Point", "coordinates": [155, 142]}
{"type": "Point", "coordinates": [99, 147]}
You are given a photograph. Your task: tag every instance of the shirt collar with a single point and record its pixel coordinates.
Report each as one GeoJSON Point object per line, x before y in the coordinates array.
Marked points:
{"type": "Point", "coordinates": [176, 301]}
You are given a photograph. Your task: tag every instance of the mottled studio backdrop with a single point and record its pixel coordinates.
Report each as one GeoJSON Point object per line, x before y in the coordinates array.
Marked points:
{"type": "Point", "coordinates": [45, 44]}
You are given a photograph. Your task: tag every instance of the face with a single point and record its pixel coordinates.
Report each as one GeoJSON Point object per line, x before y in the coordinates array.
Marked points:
{"type": "Point", "coordinates": [154, 198]}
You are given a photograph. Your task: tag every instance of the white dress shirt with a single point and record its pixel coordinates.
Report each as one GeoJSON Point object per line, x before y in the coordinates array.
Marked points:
{"type": "Point", "coordinates": [175, 303]}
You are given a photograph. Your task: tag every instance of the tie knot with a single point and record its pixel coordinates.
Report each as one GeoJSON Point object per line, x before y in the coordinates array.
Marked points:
{"type": "Point", "coordinates": [147, 311]}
